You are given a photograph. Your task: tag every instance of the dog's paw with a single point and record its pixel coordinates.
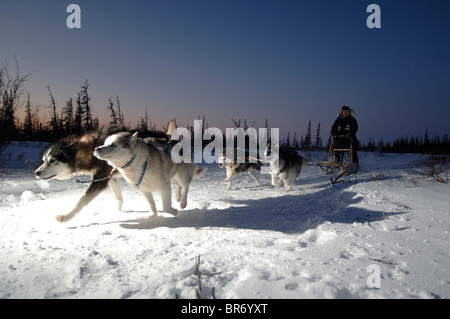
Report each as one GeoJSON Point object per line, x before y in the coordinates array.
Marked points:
{"type": "Point", "coordinates": [183, 205]}
{"type": "Point", "coordinates": [61, 218]}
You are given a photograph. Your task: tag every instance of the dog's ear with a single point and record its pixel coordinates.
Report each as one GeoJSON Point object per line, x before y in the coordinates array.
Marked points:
{"type": "Point", "coordinates": [71, 149]}
{"type": "Point", "coordinates": [65, 152]}
{"type": "Point", "coordinates": [171, 126]}
{"type": "Point", "coordinates": [134, 138]}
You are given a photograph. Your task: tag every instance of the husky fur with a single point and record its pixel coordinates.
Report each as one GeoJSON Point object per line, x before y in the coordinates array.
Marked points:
{"type": "Point", "coordinates": [234, 168]}
{"type": "Point", "coordinates": [149, 168]}
{"type": "Point", "coordinates": [73, 155]}
{"type": "Point", "coordinates": [287, 166]}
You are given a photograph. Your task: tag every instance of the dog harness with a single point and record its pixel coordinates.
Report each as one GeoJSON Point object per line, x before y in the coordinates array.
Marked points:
{"type": "Point", "coordinates": [144, 168]}
{"type": "Point", "coordinates": [75, 175]}
{"type": "Point", "coordinates": [129, 162]}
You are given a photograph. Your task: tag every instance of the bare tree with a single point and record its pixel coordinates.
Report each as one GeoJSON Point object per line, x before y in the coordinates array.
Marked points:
{"type": "Point", "coordinates": [110, 107]}
{"type": "Point", "coordinates": [54, 115]}
{"type": "Point", "coordinates": [237, 123]}
{"type": "Point", "coordinates": [117, 115]}
{"type": "Point", "coordinates": [11, 89]}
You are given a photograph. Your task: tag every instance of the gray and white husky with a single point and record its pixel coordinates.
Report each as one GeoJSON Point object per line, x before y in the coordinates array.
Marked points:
{"type": "Point", "coordinates": [149, 168]}
{"type": "Point", "coordinates": [234, 167]}
{"type": "Point", "coordinates": [286, 166]}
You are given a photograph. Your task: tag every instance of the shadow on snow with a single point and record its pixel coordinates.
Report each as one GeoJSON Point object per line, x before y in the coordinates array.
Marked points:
{"type": "Point", "coordinates": [287, 213]}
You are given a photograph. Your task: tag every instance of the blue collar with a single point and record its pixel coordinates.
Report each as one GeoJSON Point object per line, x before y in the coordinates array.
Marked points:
{"type": "Point", "coordinates": [129, 162]}
{"type": "Point", "coordinates": [144, 168]}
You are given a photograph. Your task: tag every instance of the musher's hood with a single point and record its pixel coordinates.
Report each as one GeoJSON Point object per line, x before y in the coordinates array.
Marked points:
{"type": "Point", "coordinates": [352, 113]}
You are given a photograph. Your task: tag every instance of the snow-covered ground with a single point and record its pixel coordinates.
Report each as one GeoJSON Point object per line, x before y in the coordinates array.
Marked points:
{"type": "Point", "coordinates": [383, 235]}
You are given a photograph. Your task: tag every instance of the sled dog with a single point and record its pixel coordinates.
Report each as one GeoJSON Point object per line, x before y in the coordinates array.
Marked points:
{"type": "Point", "coordinates": [70, 156]}
{"type": "Point", "coordinates": [149, 168]}
{"type": "Point", "coordinates": [234, 168]}
{"type": "Point", "coordinates": [287, 166]}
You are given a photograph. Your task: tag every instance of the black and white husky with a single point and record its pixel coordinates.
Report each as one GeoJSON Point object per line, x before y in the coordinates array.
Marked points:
{"type": "Point", "coordinates": [234, 167]}
{"type": "Point", "coordinates": [70, 156]}
{"type": "Point", "coordinates": [149, 168]}
{"type": "Point", "coordinates": [286, 166]}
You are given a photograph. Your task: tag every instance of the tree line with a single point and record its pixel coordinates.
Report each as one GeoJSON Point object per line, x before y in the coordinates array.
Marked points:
{"type": "Point", "coordinates": [307, 141]}
{"type": "Point", "coordinates": [76, 117]}
{"type": "Point", "coordinates": [425, 144]}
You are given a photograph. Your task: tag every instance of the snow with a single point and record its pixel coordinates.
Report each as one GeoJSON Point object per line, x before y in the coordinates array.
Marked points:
{"type": "Point", "coordinates": [318, 241]}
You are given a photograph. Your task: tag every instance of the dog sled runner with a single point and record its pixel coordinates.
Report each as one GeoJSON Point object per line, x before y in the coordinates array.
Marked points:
{"type": "Point", "coordinates": [333, 163]}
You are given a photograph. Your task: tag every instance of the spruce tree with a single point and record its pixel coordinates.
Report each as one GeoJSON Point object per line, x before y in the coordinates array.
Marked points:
{"type": "Point", "coordinates": [307, 141]}
{"type": "Point", "coordinates": [68, 121]}
{"type": "Point", "coordinates": [78, 120]}
{"type": "Point", "coordinates": [28, 123]}
{"type": "Point", "coordinates": [318, 138]}
{"type": "Point", "coordinates": [86, 105]}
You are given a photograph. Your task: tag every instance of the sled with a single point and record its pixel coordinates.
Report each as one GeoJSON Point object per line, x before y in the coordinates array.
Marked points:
{"type": "Point", "coordinates": [332, 164]}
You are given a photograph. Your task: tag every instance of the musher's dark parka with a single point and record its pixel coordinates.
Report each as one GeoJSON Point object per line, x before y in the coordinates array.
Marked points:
{"type": "Point", "coordinates": [347, 126]}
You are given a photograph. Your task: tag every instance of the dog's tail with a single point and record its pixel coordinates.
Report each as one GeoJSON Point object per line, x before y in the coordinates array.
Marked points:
{"type": "Point", "coordinates": [199, 172]}
{"type": "Point", "coordinates": [305, 163]}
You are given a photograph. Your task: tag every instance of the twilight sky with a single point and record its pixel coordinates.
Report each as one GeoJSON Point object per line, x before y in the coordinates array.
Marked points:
{"type": "Point", "coordinates": [287, 61]}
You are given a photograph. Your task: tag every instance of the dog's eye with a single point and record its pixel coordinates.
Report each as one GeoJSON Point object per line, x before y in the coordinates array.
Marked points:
{"type": "Point", "coordinates": [51, 161]}
{"type": "Point", "coordinates": [113, 145]}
